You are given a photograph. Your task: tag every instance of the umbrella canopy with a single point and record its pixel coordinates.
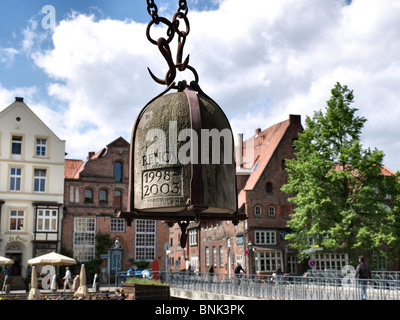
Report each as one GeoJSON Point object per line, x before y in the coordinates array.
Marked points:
{"type": "Point", "coordinates": [52, 259]}
{"type": "Point", "coordinates": [34, 293]}
{"type": "Point", "coordinates": [82, 290]}
{"type": "Point", "coordinates": [5, 261]}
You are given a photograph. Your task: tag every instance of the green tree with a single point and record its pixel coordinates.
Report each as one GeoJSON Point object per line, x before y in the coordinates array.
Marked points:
{"type": "Point", "coordinates": [336, 186]}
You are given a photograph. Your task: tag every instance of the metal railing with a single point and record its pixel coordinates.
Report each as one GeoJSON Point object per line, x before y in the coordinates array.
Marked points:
{"type": "Point", "coordinates": [310, 287]}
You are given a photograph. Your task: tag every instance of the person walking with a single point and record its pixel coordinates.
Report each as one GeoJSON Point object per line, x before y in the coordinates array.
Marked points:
{"type": "Point", "coordinates": [279, 274]}
{"type": "Point", "coordinates": [67, 279]}
{"type": "Point", "coordinates": [76, 283]}
{"type": "Point", "coordinates": [237, 271]}
{"type": "Point", "coordinates": [363, 272]}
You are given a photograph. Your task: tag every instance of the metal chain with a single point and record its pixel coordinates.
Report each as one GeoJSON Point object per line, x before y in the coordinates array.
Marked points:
{"type": "Point", "coordinates": [152, 10]}
{"type": "Point", "coordinates": [163, 44]}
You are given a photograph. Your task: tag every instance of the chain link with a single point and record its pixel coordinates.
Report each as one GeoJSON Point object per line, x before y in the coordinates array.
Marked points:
{"type": "Point", "coordinates": [163, 44]}
{"type": "Point", "coordinates": [152, 10]}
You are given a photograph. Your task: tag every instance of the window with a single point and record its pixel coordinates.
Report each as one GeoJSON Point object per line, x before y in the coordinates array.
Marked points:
{"type": "Point", "coordinates": [334, 261]}
{"type": "Point", "coordinates": [117, 225]}
{"type": "Point", "coordinates": [268, 261]}
{"type": "Point", "coordinates": [207, 253]}
{"type": "Point", "coordinates": [103, 196]}
{"type": "Point", "coordinates": [15, 179]}
{"type": "Point", "coordinates": [77, 194]}
{"type": "Point", "coordinates": [292, 264]}
{"type": "Point", "coordinates": [17, 220]}
{"type": "Point", "coordinates": [239, 259]}
{"type": "Point", "coordinates": [88, 196]}
{"type": "Point", "coordinates": [271, 211]}
{"type": "Point", "coordinates": [269, 187]}
{"type": "Point", "coordinates": [117, 200]}
{"type": "Point", "coordinates": [41, 147]}
{"type": "Point", "coordinates": [74, 194]}
{"type": "Point", "coordinates": [265, 237]}
{"type": "Point", "coordinates": [118, 171]}
{"type": "Point", "coordinates": [221, 256]}
{"type": "Point", "coordinates": [145, 240]}
{"type": "Point", "coordinates": [39, 180]}
{"type": "Point", "coordinates": [214, 253]}
{"type": "Point", "coordinates": [47, 220]}
{"type": "Point", "coordinates": [194, 263]}
{"type": "Point", "coordinates": [71, 194]}
{"type": "Point", "coordinates": [193, 237]}
{"type": "Point", "coordinates": [84, 238]}
{"type": "Point", "coordinates": [283, 164]}
{"type": "Point", "coordinates": [16, 148]}
{"type": "Point", "coordinates": [257, 210]}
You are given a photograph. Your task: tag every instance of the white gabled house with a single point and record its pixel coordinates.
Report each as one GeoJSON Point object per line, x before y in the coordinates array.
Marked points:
{"type": "Point", "coordinates": [31, 186]}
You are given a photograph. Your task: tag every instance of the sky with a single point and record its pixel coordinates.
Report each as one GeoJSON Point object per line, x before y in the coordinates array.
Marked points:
{"type": "Point", "coordinates": [82, 66]}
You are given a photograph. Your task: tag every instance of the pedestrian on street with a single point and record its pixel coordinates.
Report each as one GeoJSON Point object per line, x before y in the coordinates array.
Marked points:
{"type": "Point", "coordinates": [238, 269]}
{"type": "Point", "coordinates": [364, 274]}
{"type": "Point", "coordinates": [76, 283]}
{"type": "Point", "coordinates": [279, 274]}
{"type": "Point", "coordinates": [67, 279]}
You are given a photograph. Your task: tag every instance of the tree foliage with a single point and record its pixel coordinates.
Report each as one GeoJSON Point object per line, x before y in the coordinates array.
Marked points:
{"type": "Point", "coordinates": [337, 187]}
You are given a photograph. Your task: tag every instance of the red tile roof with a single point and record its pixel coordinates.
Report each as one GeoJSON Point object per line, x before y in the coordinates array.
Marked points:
{"type": "Point", "coordinates": [257, 152]}
{"type": "Point", "coordinates": [73, 168]}
{"type": "Point", "coordinates": [387, 172]}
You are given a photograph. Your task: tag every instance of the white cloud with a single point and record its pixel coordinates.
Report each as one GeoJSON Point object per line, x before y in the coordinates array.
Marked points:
{"type": "Point", "coordinates": [259, 60]}
{"type": "Point", "coordinates": [102, 78]}
{"type": "Point", "coordinates": [7, 56]}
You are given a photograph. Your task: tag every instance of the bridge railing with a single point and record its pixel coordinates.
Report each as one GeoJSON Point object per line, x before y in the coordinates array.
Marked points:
{"type": "Point", "coordinates": [311, 287]}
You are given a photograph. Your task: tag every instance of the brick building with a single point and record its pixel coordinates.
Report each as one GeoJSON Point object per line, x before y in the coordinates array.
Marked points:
{"type": "Point", "coordinates": [94, 191]}
{"type": "Point", "coordinates": [257, 243]}
{"type": "Point", "coordinates": [260, 196]}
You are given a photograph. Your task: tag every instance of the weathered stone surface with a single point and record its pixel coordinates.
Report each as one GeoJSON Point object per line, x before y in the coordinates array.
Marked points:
{"type": "Point", "coordinates": [163, 147]}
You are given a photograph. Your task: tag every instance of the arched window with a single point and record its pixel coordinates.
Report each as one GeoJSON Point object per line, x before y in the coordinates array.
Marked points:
{"type": "Point", "coordinates": [88, 196]}
{"type": "Point", "coordinates": [269, 187]}
{"type": "Point", "coordinates": [118, 171]}
{"type": "Point", "coordinates": [271, 211]}
{"type": "Point", "coordinates": [103, 196]}
{"type": "Point", "coordinates": [257, 210]}
{"type": "Point", "coordinates": [117, 199]}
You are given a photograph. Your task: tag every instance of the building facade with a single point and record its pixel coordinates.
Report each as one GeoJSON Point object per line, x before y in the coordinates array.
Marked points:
{"type": "Point", "coordinates": [31, 186]}
{"type": "Point", "coordinates": [95, 191]}
{"type": "Point", "coordinates": [258, 244]}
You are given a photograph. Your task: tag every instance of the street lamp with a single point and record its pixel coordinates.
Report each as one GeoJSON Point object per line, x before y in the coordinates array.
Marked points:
{"type": "Point", "coordinates": [115, 259]}
{"type": "Point", "coordinates": [250, 245]}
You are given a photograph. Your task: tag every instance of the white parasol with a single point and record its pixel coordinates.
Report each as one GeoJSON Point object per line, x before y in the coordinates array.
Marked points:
{"type": "Point", "coordinates": [5, 261]}
{"type": "Point", "coordinates": [52, 259]}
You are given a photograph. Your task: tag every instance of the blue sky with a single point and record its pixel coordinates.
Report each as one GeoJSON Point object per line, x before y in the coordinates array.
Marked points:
{"type": "Point", "coordinates": [17, 15]}
{"type": "Point", "coordinates": [261, 60]}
